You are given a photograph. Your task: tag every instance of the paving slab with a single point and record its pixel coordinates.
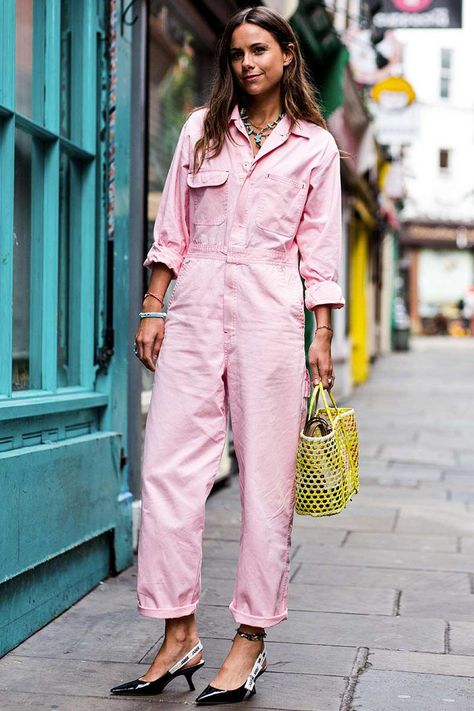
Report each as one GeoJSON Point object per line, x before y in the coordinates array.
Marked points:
{"type": "Point", "coordinates": [390, 492]}
{"type": "Point", "coordinates": [421, 662]}
{"type": "Point", "coordinates": [355, 517]}
{"type": "Point", "coordinates": [360, 576]}
{"type": "Point", "coordinates": [334, 598]}
{"type": "Point", "coordinates": [414, 560]}
{"type": "Point", "coordinates": [433, 520]}
{"type": "Point", "coordinates": [410, 634]}
{"type": "Point", "coordinates": [399, 691]}
{"type": "Point", "coordinates": [467, 545]}
{"type": "Point", "coordinates": [401, 541]}
{"type": "Point", "coordinates": [438, 604]}
{"type": "Point", "coordinates": [465, 458]}
{"type": "Point", "coordinates": [461, 637]}
{"type": "Point", "coordinates": [459, 482]}
{"type": "Point", "coordinates": [48, 701]}
{"type": "Point", "coordinates": [438, 456]}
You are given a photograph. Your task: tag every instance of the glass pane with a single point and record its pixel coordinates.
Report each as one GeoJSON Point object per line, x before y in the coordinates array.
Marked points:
{"type": "Point", "coordinates": [21, 262]}
{"type": "Point", "coordinates": [24, 56]}
{"type": "Point", "coordinates": [446, 58]}
{"type": "Point", "coordinates": [66, 68]}
{"type": "Point", "coordinates": [444, 88]}
{"type": "Point", "coordinates": [63, 271]}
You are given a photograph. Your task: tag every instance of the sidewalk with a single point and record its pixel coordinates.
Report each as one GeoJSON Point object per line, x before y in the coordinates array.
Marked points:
{"type": "Point", "coordinates": [382, 595]}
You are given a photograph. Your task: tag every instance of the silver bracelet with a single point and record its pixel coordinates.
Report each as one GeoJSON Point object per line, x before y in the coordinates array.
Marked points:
{"type": "Point", "coordinates": [152, 314]}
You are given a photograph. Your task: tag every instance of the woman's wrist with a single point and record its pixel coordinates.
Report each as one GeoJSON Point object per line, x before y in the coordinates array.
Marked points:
{"type": "Point", "coordinates": [324, 327]}
{"type": "Point", "coordinates": [151, 304]}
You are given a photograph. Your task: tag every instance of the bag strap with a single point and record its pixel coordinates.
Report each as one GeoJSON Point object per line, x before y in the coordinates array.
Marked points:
{"type": "Point", "coordinates": [313, 403]}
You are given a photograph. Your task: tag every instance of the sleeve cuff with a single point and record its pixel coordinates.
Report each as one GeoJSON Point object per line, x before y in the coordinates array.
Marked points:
{"type": "Point", "coordinates": [325, 292]}
{"type": "Point", "coordinates": [165, 255]}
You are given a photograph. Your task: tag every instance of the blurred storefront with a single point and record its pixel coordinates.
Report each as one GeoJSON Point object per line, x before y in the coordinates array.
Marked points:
{"type": "Point", "coordinates": [438, 265]}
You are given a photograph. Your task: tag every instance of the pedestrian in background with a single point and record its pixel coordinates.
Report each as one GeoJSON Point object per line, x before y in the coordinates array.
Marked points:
{"type": "Point", "coordinates": [254, 182]}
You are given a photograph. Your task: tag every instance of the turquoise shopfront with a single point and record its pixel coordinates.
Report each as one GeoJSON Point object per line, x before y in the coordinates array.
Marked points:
{"type": "Point", "coordinates": [65, 508]}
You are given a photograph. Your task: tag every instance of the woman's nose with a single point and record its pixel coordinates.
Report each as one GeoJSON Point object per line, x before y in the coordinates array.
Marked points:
{"type": "Point", "coordinates": [247, 62]}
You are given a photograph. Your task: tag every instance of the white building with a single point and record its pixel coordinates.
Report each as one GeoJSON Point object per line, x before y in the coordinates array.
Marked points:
{"type": "Point", "coordinates": [438, 215]}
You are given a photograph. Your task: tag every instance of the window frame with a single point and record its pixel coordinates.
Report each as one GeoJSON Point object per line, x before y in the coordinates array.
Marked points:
{"type": "Point", "coordinates": [82, 146]}
{"type": "Point", "coordinates": [445, 72]}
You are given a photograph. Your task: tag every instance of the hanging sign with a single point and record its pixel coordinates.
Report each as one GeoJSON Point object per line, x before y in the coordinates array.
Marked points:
{"type": "Point", "coordinates": [419, 14]}
{"type": "Point", "coordinates": [395, 114]}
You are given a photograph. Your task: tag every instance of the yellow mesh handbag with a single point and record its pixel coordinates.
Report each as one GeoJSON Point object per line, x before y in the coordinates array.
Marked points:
{"type": "Point", "coordinates": [327, 460]}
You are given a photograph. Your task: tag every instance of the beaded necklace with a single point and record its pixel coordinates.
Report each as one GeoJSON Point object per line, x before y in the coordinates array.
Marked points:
{"type": "Point", "coordinates": [263, 130]}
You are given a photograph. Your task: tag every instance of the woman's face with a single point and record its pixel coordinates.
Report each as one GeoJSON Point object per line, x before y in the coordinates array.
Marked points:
{"type": "Point", "coordinates": [257, 59]}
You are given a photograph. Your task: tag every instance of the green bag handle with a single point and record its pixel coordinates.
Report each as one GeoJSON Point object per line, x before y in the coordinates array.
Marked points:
{"type": "Point", "coordinates": [313, 403]}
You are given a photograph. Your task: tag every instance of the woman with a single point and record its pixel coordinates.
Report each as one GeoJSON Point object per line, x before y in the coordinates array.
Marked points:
{"type": "Point", "coordinates": [254, 181]}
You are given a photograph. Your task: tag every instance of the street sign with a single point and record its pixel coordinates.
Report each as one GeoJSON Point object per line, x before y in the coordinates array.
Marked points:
{"type": "Point", "coordinates": [419, 14]}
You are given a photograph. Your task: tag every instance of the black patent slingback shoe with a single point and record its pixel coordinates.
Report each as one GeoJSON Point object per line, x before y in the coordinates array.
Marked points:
{"type": "Point", "coordinates": [211, 695]}
{"type": "Point", "coordinates": [140, 687]}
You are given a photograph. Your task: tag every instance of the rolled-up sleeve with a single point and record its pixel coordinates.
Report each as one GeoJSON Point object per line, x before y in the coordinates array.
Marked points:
{"type": "Point", "coordinates": [171, 229]}
{"type": "Point", "coordinates": [319, 234]}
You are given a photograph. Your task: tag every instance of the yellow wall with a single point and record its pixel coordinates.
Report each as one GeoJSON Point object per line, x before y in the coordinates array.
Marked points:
{"type": "Point", "coordinates": [358, 301]}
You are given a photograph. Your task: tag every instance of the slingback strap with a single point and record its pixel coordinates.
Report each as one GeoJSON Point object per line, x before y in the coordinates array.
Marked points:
{"type": "Point", "coordinates": [185, 659]}
{"type": "Point", "coordinates": [257, 668]}
{"type": "Point", "coordinates": [251, 637]}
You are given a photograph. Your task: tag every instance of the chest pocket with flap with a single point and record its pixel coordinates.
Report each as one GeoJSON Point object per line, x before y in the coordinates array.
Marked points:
{"type": "Point", "coordinates": [209, 193]}
{"type": "Point", "coordinates": [280, 204]}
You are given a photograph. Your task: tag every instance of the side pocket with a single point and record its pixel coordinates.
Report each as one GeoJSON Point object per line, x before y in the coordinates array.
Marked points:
{"type": "Point", "coordinates": [181, 273]}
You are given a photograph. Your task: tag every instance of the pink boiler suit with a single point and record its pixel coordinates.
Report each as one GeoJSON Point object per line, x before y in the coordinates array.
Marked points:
{"type": "Point", "coordinates": [234, 337]}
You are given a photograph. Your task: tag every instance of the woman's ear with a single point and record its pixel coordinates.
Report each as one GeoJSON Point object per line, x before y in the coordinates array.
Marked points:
{"type": "Point", "coordinates": [288, 55]}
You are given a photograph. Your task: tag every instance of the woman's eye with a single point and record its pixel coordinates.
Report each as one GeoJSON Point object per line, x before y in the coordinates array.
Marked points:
{"type": "Point", "coordinates": [259, 50]}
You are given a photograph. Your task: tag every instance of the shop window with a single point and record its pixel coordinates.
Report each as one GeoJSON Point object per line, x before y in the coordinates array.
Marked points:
{"type": "Point", "coordinates": [48, 221]}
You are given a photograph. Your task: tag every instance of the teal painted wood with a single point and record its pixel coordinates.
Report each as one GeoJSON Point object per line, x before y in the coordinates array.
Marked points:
{"type": "Point", "coordinates": [64, 400]}
{"type": "Point", "coordinates": [34, 598]}
{"type": "Point", "coordinates": [49, 206]}
{"type": "Point", "coordinates": [116, 384]}
{"type": "Point", "coordinates": [7, 159]}
{"type": "Point", "coordinates": [101, 295]}
{"type": "Point", "coordinates": [7, 54]}
{"type": "Point", "coordinates": [75, 485]}
{"type": "Point", "coordinates": [65, 491]}
{"type": "Point", "coordinates": [7, 156]}
{"type": "Point", "coordinates": [48, 298]}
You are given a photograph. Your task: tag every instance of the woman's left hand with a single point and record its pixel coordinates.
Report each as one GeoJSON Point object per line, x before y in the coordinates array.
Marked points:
{"type": "Point", "coordinates": [320, 359]}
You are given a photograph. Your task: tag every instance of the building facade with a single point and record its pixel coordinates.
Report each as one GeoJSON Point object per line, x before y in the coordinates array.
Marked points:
{"type": "Point", "coordinates": [438, 216]}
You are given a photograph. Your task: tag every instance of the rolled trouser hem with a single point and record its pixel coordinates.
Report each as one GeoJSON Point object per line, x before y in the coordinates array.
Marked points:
{"type": "Point", "coordinates": [243, 618]}
{"type": "Point", "coordinates": [166, 613]}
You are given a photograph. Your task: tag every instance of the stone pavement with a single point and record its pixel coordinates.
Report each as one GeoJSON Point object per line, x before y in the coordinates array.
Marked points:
{"type": "Point", "coordinates": [382, 595]}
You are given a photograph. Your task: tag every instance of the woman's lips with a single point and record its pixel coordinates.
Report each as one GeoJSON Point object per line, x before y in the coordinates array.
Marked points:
{"type": "Point", "coordinates": [252, 77]}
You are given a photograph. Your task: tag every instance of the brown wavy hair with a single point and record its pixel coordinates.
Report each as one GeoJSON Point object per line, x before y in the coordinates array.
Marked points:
{"type": "Point", "coordinates": [297, 92]}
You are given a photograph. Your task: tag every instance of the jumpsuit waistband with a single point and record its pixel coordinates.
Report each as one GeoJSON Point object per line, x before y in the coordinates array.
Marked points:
{"type": "Point", "coordinates": [243, 255]}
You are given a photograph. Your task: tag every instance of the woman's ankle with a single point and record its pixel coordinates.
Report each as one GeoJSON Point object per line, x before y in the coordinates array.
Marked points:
{"type": "Point", "coordinates": [181, 629]}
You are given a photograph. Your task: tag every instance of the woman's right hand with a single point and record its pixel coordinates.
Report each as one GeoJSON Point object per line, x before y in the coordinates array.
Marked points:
{"type": "Point", "coordinates": [148, 339]}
